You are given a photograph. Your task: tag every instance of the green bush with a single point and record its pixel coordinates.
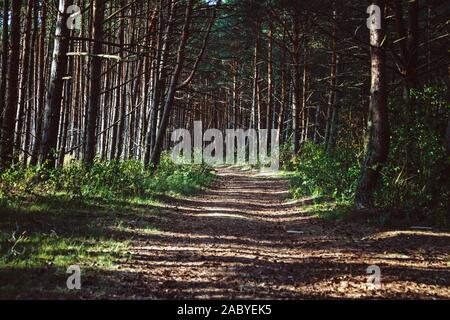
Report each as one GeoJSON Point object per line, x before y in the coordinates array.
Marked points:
{"type": "Point", "coordinates": [320, 173]}
{"type": "Point", "coordinates": [105, 179]}
{"type": "Point", "coordinates": [177, 178]}
{"type": "Point", "coordinates": [406, 179]}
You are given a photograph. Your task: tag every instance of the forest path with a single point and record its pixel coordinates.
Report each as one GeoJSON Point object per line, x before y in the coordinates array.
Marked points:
{"type": "Point", "coordinates": [242, 239]}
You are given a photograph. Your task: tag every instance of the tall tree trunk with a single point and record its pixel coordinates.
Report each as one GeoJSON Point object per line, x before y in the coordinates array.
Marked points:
{"type": "Point", "coordinates": [269, 109]}
{"type": "Point", "coordinates": [160, 78]}
{"type": "Point", "coordinates": [168, 105]}
{"type": "Point", "coordinates": [305, 92]}
{"type": "Point", "coordinates": [41, 87]}
{"type": "Point", "coordinates": [117, 119]}
{"type": "Point", "coordinates": [23, 80]}
{"type": "Point", "coordinates": [52, 111]}
{"type": "Point", "coordinates": [297, 88]}
{"type": "Point", "coordinates": [68, 93]}
{"type": "Point", "coordinates": [377, 147]}
{"type": "Point", "coordinates": [95, 82]}
{"type": "Point", "coordinates": [283, 93]}
{"type": "Point", "coordinates": [10, 110]}
{"type": "Point", "coordinates": [409, 47]}
{"type": "Point", "coordinates": [332, 98]}
{"type": "Point", "coordinates": [32, 86]}
{"type": "Point", "coordinates": [235, 73]}
{"type": "Point", "coordinates": [255, 121]}
{"type": "Point", "coordinates": [5, 51]}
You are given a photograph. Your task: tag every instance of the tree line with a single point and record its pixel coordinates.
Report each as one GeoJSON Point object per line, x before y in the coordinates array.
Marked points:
{"type": "Point", "coordinates": [134, 70]}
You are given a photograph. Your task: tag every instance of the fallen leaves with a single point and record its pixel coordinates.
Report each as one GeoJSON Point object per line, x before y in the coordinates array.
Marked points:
{"type": "Point", "coordinates": [242, 240]}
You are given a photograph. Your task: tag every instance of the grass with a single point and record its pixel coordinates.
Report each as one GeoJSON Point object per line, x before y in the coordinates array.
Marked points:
{"type": "Point", "coordinates": [44, 230]}
{"type": "Point", "coordinates": [41, 238]}
{"type": "Point", "coordinates": [328, 210]}
{"type": "Point", "coordinates": [400, 201]}
{"type": "Point", "coordinates": [340, 210]}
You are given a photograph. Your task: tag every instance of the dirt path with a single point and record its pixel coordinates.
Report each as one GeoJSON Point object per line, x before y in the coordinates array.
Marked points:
{"type": "Point", "coordinates": [243, 240]}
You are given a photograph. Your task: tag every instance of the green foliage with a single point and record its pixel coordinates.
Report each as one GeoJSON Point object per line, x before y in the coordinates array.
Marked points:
{"type": "Point", "coordinates": [411, 179]}
{"type": "Point", "coordinates": [411, 188]}
{"type": "Point", "coordinates": [286, 151]}
{"type": "Point", "coordinates": [434, 95]}
{"type": "Point", "coordinates": [405, 183]}
{"type": "Point", "coordinates": [105, 180]}
{"type": "Point", "coordinates": [16, 181]}
{"type": "Point", "coordinates": [320, 173]}
{"type": "Point", "coordinates": [80, 215]}
{"type": "Point", "coordinates": [180, 178]}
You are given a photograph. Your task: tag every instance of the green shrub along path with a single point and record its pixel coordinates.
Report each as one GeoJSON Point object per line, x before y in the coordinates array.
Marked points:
{"type": "Point", "coordinates": [242, 238]}
{"type": "Point", "coordinates": [51, 219]}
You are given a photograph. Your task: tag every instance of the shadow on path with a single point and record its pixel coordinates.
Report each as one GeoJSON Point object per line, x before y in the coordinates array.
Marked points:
{"type": "Point", "coordinates": [243, 239]}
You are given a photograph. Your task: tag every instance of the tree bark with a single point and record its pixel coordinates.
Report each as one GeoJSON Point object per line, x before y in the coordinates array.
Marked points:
{"type": "Point", "coordinates": [8, 121]}
{"type": "Point", "coordinates": [41, 87]}
{"type": "Point", "coordinates": [95, 85]}
{"type": "Point", "coordinates": [5, 52]}
{"type": "Point", "coordinates": [52, 111]}
{"type": "Point", "coordinates": [332, 98]}
{"type": "Point", "coordinates": [23, 80]}
{"type": "Point", "coordinates": [269, 109]}
{"type": "Point", "coordinates": [168, 105]}
{"type": "Point", "coordinates": [377, 147]}
{"type": "Point", "coordinates": [297, 88]}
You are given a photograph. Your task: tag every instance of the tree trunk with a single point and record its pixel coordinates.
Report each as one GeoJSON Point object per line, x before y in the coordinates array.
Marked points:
{"type": "Point", "coordinates": [297, 88]}
{"type": "Point", "coordinates": [32, 86]}
{"type": "Point", "coordinates": [23, 80]}
{"type": "Point", "coordinates": [95, 85]}
{"type": "Point", "coordinates": [269, 109]}
{"type": "Point", "coordinates": [332, 98]}
{"type": "Point", "coordinates": [409, 48]}
{"type": "Point", "coordinates": [52, 111]}
{"type": "Point", "coordinates": [255, 101]}
{"type": "Point", "coordinates": [41, 87]}
{"type": "Point", "coordinates": [377, 147]}
{"type": "Point", "coordinates": [168, 105]}
{"type": "Point", "coordinates": [5, 51]}
{"type": "Point", "coordinates": [10, 110]}
{"type": "Point", "coordinates": [283, 93]}
{"type": "Point", "coordinates": [160, 78]}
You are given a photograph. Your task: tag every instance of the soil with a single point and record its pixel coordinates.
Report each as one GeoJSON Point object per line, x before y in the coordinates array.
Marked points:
{"type": "Point", "coordinates": [243, 239]}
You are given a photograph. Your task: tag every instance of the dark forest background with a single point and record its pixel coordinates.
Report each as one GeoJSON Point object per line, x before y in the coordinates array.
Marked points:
{"type": "Point", "coordinates": [363, 115]}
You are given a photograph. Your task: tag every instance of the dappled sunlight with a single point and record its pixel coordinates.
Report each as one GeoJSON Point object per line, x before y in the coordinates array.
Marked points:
{"type": "Point", "coordinates": [227, 149]}
{"type": "Point", "coordinates": [245, 239]}
{"type": "Point", "coordinates": [253, 192]}
{"type": "Point", "coordinates": [391, 234]}
{"type": "Point", "coordinates": [223, 215]}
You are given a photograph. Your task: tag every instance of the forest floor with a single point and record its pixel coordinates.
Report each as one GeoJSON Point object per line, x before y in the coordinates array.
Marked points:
{"type": "Point", "coordinates": [244, 239]}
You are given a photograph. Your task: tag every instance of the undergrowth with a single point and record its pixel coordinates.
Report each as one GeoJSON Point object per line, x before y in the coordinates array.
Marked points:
{"type": "Point", "coordinates": [51, 219]}
{"type": "Point", "coordinates": [410, 190]}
